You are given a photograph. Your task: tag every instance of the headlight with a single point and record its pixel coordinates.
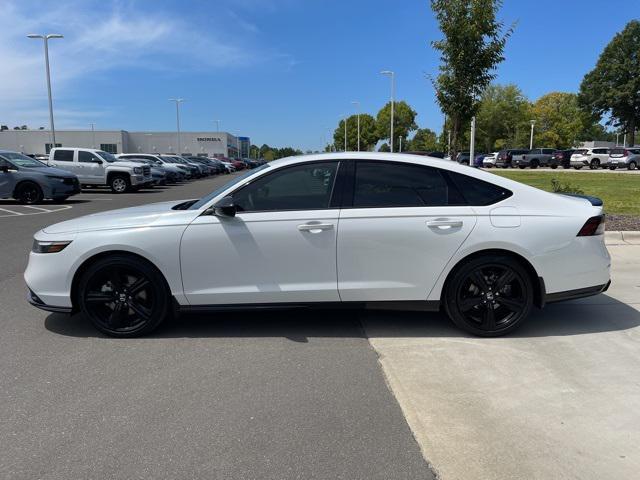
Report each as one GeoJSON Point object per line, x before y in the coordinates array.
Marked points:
{"type": "Point", "coordinates": [137, 170]}
{"type": "Point", "coordinates": [49, 247]}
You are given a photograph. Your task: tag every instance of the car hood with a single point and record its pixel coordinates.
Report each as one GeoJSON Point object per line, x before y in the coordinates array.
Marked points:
{"type": "Point", "coordinates": [58, 172]}
{"type": "Point", "coordinates": [153, 214]}
{"type": "Point", "coordinates": [123, 163]}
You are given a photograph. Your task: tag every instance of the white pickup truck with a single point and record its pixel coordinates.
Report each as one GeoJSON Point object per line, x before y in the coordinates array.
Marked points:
{"type": "Point", "coordinates": [95, 167]}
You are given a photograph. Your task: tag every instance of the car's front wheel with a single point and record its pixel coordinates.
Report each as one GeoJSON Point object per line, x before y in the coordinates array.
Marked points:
{"type": "Point", "coordinates": [489, 296]}
{"type": "Point", "coordinates": [123, 296]}
{"type": "Point", "coordinates": [29, 193]}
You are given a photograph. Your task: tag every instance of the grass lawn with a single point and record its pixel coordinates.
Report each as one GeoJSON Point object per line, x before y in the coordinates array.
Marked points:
{"type": "Point", "coordinates": [620, 192]}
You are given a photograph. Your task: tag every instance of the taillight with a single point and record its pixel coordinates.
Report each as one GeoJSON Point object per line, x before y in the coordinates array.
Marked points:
{"type": "Point", "coordinates": [626, 153]}
{"type": "Point", "coordinates": [593, 226]}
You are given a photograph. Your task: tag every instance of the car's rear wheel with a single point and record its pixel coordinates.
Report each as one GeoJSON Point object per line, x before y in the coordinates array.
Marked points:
{"type": "Point", "coordinates": [595, 164]}
{"type": "Point", "coordinates": [29, 193]}
{"type": "Point", "coordinates": [123, 296]}
{"type": "Point", "coordinates": [632, 166]}
{"type": "Point", "coordinates": [534, 164]}
{"type": "Point", "coordinates": [578, 167]}
{"type": "Point", "coordinates": [489, 296]}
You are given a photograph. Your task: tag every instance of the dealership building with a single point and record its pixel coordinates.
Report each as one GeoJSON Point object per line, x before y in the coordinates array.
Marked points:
{"type": "Point", "coordinates": [212, 144]}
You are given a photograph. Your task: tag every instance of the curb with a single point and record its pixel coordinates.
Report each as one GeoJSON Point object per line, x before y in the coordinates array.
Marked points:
{"type": "Point", "coordinates": [622, 238]}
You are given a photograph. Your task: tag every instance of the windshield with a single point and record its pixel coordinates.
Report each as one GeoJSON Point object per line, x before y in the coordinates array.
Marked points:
{"type": "Point", "coordinates": [21, 160]}
{"type": "Point", "coordinates": [204, 200]}
{"type": "Point", "coordinates": [107, 156]}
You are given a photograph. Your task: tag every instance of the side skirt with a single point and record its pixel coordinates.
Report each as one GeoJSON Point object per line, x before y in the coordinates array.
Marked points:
{"type": "Point", "coordinates": [424, 306]}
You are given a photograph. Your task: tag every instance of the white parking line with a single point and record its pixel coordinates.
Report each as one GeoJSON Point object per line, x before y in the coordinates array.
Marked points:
{"type": "Point", "coordinates": [16, 211]}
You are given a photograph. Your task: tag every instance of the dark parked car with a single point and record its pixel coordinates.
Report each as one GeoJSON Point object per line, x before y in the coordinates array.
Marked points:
{"type": "Point", "coordinates": [30, 181]}
{"type": "Point", "coordinates": [505, 157]}
{"type": "Point", "coordinates": [427, 154]}
{"type": "Point", "coordinates": [561, 158]}
{"type": "Point", "coordinates": [534, 158]}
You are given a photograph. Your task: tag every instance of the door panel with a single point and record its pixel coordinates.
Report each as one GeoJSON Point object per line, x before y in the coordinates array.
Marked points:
{"type": "Point", "coordinates": [397, 254]}
{"type": "Point", "coordinates": [261, 257]}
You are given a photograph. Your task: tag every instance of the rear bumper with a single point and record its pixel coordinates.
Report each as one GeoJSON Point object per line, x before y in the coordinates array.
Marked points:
{"type": "Point", "coordinates": [575, 294]}
{"type": "Point", "coordinates": [34, 300]}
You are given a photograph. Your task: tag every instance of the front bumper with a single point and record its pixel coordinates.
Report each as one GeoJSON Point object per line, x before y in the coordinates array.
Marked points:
{"type": "Point", "coordinates": [141, 179]}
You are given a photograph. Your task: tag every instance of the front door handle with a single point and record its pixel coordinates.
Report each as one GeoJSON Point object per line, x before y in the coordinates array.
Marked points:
{"type": "Point", "coordinates": [444, 224]}
{"type": "Point", "coordinates": [315, 227]}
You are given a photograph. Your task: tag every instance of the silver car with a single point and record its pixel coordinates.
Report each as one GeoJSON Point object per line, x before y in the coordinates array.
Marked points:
{"type": "Point", "coordinates": [628, 158]}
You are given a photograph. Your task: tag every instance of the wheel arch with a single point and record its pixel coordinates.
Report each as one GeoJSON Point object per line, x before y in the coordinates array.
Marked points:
{"type": "Point", "coordinates": [537, 281]}
{"type": "Point", "coordinates": [25, 181]}
{"type": "Point", "coordinates": [104, 254]}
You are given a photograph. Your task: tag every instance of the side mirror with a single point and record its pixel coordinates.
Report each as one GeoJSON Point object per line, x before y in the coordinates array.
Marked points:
{"type": "Point", "coordinates": [225, 208]}
{"type": "Point", "coordinates": [96, 160]}
{"type": "Point", "coordinates": [4, 168]}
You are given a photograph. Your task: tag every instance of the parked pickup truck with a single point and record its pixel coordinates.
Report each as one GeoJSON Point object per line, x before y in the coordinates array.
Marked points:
{"type": "Point", "coordinates": [537, 157]}
{"type": "Point", "coordinates": [95, 167]}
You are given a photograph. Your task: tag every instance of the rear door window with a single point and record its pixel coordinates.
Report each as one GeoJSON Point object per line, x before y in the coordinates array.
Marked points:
{"type": "Point", "coordinates": [87, 157]}
{"type": "Point", "coordinates": [63, 155]}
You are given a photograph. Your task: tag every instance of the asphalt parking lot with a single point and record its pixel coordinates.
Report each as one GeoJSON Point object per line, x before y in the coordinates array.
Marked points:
{"type": "Point", "coordinates": [233, 396]}
{"type": "Point", "coordinates": [307, 394]}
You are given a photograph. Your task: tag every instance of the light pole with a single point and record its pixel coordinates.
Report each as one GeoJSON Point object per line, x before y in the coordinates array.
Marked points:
{"type": "Point", "coordinates": [148, 135]}
{"type": "Point", "coordinates": [400, 149]}
{"type": "Point", "coordinates": [533, 122]}
{"type": "Point", "coordinates": [217, 125]}
{"type": "Point", "coordinates": [345, 132]}
{"type": "Point", "coordinates": [93, 135]}
{"type": "Point", "coordinates": [357, 104]}
{"type": "Point", "coordinates": [472, 147]}
{"type": "Point", "coordinates": [46, 38]}
{"type": "Point", "coordinates": [178, 102]}
{"type": "Point", "coordinates": [393, 88]}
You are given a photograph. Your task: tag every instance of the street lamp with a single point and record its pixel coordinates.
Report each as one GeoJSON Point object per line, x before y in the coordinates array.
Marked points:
{"type": "Point", "coordinates": [533, 122]}
{"type": "Point", "coordinates": [391, 74]}
{"type": "Point", "coordinates": [46, 39]}
{"type": "Point", "coordinates": [178, 102]}
{"type": "Point", "coordinates": [345, 131]}
{"type": "Point", "coordinates": [357, 104]}
{"type": "Point", "coordinates": [93, 135]}
{"type": "Point", "coordinates": [217, 125]}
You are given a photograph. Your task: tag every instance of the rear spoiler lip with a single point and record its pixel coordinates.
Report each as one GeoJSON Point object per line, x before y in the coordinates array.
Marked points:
{"type": "Point", "coordinates": [595, 201]}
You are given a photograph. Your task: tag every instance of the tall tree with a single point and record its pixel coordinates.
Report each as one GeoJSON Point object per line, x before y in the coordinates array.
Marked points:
{"type": "Point", "coordinates": [472, 47]}
{"type": "Point", "coordinates": [368, 133]}
{"type": "Point", "coordinates": [404, 122]}
{"type": "Point", "coordinates": [503, 118]}
{"type": "Point", "coordinates": [612, 88]}
{"type": "Point", "coordinates": [425, 140]}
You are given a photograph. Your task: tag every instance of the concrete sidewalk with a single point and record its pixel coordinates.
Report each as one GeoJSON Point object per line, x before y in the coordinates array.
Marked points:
{"type": "Point", "coordinates": [559, 398]}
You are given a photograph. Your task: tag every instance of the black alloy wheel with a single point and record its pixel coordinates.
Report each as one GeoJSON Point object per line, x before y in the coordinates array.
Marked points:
{"type": "Point", "coordinates": [489, 296]}
{"type": "Point", "coordinates": [595, 164]}
{"type": "Point", "coordinates": [123, 296]}
{"type": "Point", "coordinates": [29, 193]}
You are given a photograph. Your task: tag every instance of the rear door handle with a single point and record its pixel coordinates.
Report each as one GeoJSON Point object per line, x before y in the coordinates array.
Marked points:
{"type": "Point", "coordinates": [315, 227]}
{"type": "Point", "coordinates": [444, 224]}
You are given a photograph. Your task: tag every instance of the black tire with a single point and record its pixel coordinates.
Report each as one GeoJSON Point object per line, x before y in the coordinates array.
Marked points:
{"type": "Point", "coordinates": [123, 296]}
{"type": "Point", "coordinates": [553, 167]}
{"type": "Point", "coordinates": [632, 165]}
{"type": "Point", "coordinates": [578, 167]}
{"type": "Point", "coordinates": [28, 193]}
{"type": "Point", "coordinates": [474, 293]}
{"type": "Point", "coordinates": [612, 168]}
{"type": "Point", "coordinates": [521, 167]}
{"type": "Point", "coordinates": [119, 183]}
{"type": "Point", "coordinates": [595, 164]}
{"type": "Point", "coordinates": [60, 199]}
{"type": "Point", "coordinates": [534, 164]}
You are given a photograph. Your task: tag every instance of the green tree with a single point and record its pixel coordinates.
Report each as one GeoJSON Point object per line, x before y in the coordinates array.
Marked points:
{"type": "Point", "coordinates": [404, 122]}
{"type": "Point", "coordinates": [384, 147]}
{"type": "Point", "coordinates": [503, 118]}
{"type": "Point", "coordinates": [424, 140]}
{"type": "Point", "coordinates": [472, 47]}
{"type": "Point", "coordinates": [368, 133]}
{"type": "Point", "coordinates": [612, 88]}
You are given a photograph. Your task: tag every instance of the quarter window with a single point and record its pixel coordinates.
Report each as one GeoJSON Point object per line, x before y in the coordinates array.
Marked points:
{"type": "Point", "coordinates": [63, 155]}
{"type": "Point", "coordinates": [478, 192]}
{"type": "Point", "coordinates": [302, 187]}
{"type": "Point", "coordinates": [381, 184]}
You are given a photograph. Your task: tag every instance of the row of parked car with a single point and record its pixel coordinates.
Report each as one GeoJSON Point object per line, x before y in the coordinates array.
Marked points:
{"type": "Point", "coordinates": [593, 158]}
{"type": "Point", "coordinates": [31, 179]}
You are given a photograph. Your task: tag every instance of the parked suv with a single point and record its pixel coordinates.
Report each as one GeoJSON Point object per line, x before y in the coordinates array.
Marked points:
{"type": "Point", "coordinates": [594, 158]}
{"type": "Point", "coordinates": [95, 167]}
{"type": "Point", "coordinates": [561, 158]}
{"type": "Point", "coordinates": [534, 158]}
{"type": "Point", "coordinates": [30, 181]}
{"type": "Point", "coordinates": [624, 158]}
{"type": "Point", "coordinates": [505, 157]}
{"type": "Point", "coordinates": [176, 172]}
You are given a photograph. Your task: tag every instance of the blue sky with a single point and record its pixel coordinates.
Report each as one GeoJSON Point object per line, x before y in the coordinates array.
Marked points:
{"type": "Point", "coordinates": [280, 71]}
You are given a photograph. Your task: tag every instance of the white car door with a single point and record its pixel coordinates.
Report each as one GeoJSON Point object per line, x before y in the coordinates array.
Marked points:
{"type": "Point", "coordinates": [64, 158]}
{"type": "Point", "coordinates": [91, 166]}
{"type": "Point", "coordinates": [279, 247]}
{"type": "Point", "coordinates": [400, 225]}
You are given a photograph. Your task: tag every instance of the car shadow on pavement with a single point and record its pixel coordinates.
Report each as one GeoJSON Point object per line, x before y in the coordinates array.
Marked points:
{"type": "Point", "coordinates": [563, 319]}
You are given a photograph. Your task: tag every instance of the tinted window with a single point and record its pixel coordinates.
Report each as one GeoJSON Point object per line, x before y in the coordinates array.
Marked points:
{"type": "Point", "coordinates": [478, 192]}
{"type": "Point", "coordinates": [63, 155]}
{"type": "Point", "coordinates": [380, 184]}
{"type": "Point", "coordinates": [547, 150]}
{"type": "Point", "coordinates": [600, 150]}
{"type": "Point", "coordinates": [302, 187]}
{"type": "Point", "coordinates": [87, 157]}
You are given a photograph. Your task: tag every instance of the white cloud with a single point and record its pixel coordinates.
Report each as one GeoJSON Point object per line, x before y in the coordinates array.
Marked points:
{"type": "Point", "coordinates": [99, 38]}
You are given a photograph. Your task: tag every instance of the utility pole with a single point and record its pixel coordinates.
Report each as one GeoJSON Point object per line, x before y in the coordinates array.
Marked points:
{"type": "Point", "coordinates": [391, 74]}
{"type": "Point", "coordinates": [178, 101]}
{"type": "Point", "coordinates": [533, 122]}
{"type": "Point", "coordinates": [400, 149]}
{"type": "Point", "coordinates": [472, 147]}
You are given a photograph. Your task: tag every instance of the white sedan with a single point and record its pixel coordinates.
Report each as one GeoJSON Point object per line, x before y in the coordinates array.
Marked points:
{"type": "Point", "coordinates": [329, 230]}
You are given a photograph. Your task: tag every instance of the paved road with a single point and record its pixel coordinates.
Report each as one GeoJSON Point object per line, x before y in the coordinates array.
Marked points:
{"type": "Point", "coordinates": [558, 399]}
{"type": "Point", "coordinates": [295, 395]}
